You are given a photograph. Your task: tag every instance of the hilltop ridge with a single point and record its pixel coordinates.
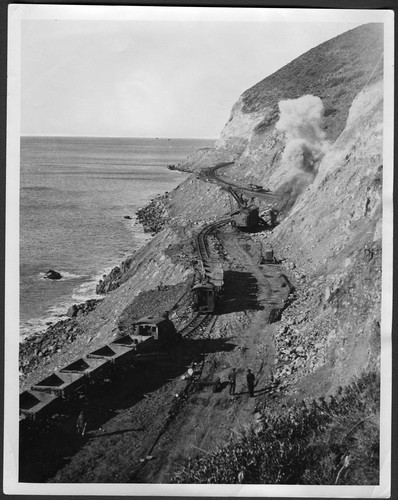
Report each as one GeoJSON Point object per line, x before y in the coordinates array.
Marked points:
{"type": "Point", "coordinates": [335, 71]}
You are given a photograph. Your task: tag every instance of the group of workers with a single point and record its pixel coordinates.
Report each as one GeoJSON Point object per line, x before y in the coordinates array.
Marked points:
{"type": "Point", "coordinates": [81, 423]}
{"type": "Point", "coordinates": [250, 379]}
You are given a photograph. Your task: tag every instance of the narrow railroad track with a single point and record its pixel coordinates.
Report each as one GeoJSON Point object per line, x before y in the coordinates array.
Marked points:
{"type": "Point", "coordinates": [202, 321]}
{"type": "Point", "coordinates": [209, 174]}
{"type": "Point", "coordinates": [202, 244]}
{"type": "Point", "coordinates": [199, 321]}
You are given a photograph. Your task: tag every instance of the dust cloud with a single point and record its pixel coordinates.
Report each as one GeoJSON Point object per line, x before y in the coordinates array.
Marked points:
{"type": "Point", "coordinates": [301, 122]}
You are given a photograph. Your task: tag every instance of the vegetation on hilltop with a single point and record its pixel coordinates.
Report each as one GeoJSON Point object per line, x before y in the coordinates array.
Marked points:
{"type": "Point", "coordinates": [335, 71]}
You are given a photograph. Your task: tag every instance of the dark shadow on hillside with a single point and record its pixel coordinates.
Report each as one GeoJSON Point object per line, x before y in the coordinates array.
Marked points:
{"type": "Point", "coordinates": [93, 435]}
{"type": "Point", "coordinates": [198, 347]}
{"type": "Point", "coordinates": [240, 293]}
{"type": "Point", "coordinates": [48, 447]}
{"type": "Point", "coordinates": [255, 230]}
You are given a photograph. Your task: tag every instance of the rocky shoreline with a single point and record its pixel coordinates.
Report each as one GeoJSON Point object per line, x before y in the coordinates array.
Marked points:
{"type": "Point", "coordinates": [154, 216]}
{"type": "Point", "coordinates": [41, 346]}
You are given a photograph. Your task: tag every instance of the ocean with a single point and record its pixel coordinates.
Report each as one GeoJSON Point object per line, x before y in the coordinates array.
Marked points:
{"type": "Point", "coordinates": [75, 193]}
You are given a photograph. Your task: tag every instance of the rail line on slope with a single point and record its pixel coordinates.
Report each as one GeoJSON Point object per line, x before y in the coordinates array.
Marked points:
{"type": "Point", "coordinates": [209, 175]}
{"type": "Point", "coordinates": [199, 321]}
{"type": "Point", "coordinates": [203, 247]}
{"type": "Point", "coordinates": [202, 321]}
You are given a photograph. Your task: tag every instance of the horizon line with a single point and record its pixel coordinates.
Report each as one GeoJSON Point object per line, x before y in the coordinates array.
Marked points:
{"type": "Point", "coordinates": [116, 136]}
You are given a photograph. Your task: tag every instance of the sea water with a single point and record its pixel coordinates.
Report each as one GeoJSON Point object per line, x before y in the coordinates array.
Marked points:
{"type": "Point", "coordinates": [75, 196]}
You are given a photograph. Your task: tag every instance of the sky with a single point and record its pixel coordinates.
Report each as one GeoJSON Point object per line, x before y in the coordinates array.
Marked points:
{"type": "Point", "coordinates": [150, 78]}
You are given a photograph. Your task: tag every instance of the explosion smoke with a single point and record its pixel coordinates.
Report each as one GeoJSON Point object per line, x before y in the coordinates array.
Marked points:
{"type": "Point", "coordinates": [301, 121]}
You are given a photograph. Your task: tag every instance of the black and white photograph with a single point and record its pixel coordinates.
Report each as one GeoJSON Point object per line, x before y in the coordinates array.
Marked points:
{"type": "Point", "coordinates": [198, 251]}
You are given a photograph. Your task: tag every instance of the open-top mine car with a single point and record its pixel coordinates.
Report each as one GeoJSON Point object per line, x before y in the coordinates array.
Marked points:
{"type": "Point", "coordinates": [40, 401]}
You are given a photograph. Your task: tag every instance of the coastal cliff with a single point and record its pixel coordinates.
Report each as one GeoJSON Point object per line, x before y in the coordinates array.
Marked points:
{"type": "Point", "coordinates": [312, 133]}
{"type": "Point", "coordinates": [330, 221]}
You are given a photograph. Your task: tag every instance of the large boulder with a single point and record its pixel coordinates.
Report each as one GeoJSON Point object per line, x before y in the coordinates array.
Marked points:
{"type": "Point", "coordinates": [53, 275]}
{"type": "Point", "coordinates": [72, 311]}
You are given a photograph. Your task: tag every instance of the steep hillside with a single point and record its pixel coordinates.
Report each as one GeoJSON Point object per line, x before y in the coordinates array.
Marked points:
{"type": "Point", "coordinates": [333, 237]}
{"type": "Point", "coordinates": [313, 133]}
{"type": "Point", "coordinates": [330, 236]}
{"type": "Point", "coordinates": [335, 71]}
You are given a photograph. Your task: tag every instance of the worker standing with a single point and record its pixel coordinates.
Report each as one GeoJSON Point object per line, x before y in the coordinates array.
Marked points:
{"type": "Point", "coordinates": [232, 381]}
{"type": "Point", "coordinates": [81, 423]}
{"type": "Point", "coordinates": [250, 382]}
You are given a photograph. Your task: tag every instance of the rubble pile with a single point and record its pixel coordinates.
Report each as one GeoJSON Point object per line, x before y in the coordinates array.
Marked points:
{"type": "Point", "coordinates": [155, 303]}
{"type": "Point", "coordinates": [154, 216]}
{"type": "Point", "coordinates": [83, 308]}
{"type": "Point", "coordinates": [328, 317]}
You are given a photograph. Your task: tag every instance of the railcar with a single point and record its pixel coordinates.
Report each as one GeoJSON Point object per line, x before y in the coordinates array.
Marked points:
{"type": "Point", "coordinates": [203, 297]}
{"type": "Point", "coordinates": [92, 368]}
{"type": "Point", "coordinates": [34, 404]}
{"type": "Point", "coordinates": [117, 354]}
{"type": "Point", "coordinates": [255, 187]}
{"type": "Point", "coordinates": [161, 328]}
{"type": "Point", "coordinates": [61, 384]}
{"type": "Point", "coordinates": [41, 400]}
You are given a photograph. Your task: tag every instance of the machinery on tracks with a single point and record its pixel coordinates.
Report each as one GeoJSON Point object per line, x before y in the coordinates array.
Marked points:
{"type": "Point", "coordinates": [247, 216]}
{"type": "Point", "coordinates": [206, 293]}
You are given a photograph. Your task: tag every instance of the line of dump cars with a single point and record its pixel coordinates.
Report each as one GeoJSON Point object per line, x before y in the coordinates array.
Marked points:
{"type": "Point", "coordinates": [149, 335]}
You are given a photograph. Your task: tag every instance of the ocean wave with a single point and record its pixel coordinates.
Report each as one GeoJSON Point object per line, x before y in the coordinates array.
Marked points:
{"type": "Point", "coordinates": [86, 291]}
{"type": "Point", "coordinates": [34, 326]}
{"type": "Point", "coordinates": [72, 276]}
{"type": "Point", "coordinates": [56, 312]}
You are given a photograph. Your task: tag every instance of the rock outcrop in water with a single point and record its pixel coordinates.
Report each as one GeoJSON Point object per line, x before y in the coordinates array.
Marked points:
{"type": "Point", "coordinates": [53, 275]}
